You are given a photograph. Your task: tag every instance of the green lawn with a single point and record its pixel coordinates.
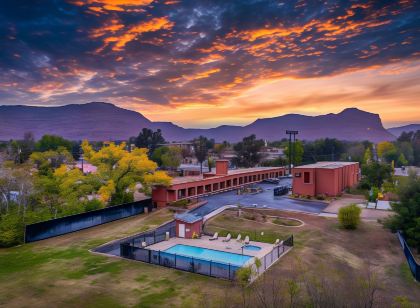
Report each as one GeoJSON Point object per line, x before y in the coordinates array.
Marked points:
{"type": "Point", "coordinates": [62, 272]}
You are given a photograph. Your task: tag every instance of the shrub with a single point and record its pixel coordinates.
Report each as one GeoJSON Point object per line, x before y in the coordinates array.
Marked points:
{"type": "Point", "coordinates": [321, 197]}
{"type": "Point", "coordinates": [349, 216]}
{"type": "Point", "coordinates": [249, 216]}
{"type": "Point", "coordinates": [11, 230]}
{"type": "Point", "coordinates": [183, 203]}
{"type": "Point", "coordinates": [243, 275]}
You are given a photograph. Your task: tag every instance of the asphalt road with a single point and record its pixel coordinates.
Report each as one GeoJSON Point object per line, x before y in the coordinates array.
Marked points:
{"type": "Point", "coordinates": [265, 199]}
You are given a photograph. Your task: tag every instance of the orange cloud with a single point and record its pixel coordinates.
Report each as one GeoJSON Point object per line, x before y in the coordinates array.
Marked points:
{"type": "Point", "coordinates": [252, 35]}
{"type": "Point", "coordinates": [111, 5]}
{"type": "Point", "coordinates": [112, 27]}
{"type": "Point", "coordinates": [204, 74]}
{"type": "Point", "coordinates": [119, 41]}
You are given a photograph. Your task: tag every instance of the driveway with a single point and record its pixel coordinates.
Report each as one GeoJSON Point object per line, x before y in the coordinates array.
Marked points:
{"type": "Point", "coordinates": [264, 199]}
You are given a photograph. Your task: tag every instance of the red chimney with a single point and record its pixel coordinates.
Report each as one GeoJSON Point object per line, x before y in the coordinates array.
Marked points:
{"type": "Point", "coordinates": [222, 167]}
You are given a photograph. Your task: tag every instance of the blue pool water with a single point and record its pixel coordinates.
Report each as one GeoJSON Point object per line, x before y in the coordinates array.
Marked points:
{"type": "Point", "coordinates": [252, 247]}
{"type": "Point", "coordinates": [208, 254]}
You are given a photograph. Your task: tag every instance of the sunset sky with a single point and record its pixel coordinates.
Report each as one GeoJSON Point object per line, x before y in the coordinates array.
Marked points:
{"type": "Point", "coordinates": [205, 63]}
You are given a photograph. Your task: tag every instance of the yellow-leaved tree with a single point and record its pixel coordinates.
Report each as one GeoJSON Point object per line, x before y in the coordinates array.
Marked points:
{"type": "Point", "coordinates": [119, 171]}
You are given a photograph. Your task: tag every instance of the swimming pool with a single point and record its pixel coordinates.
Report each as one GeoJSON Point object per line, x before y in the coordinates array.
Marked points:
{"type": "Point", "coordinates": [209, 254]}
{"type": "Point", "coordinates": [252, 247]}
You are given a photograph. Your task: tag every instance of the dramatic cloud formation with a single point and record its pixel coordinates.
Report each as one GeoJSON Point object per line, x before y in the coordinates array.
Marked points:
{"type": "Point", "coordinates": [203, 63]}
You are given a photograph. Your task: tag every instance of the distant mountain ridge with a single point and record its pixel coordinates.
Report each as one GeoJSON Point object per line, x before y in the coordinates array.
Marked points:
{"type": "Point", "coordinates": [104, 121]}
{"type": "Point", "coordinates": [397, 131]}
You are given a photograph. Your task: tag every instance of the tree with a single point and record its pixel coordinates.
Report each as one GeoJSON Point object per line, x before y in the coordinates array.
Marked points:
{"type": "Point", "coordinates": [202, 145]}
{"type": "Point", "coordinates": [355, 152]}
{"type": "Point", "coordinates": [158, 153]}
{"type": "Point", "coordinates": [52, 142]}
{"type": "Point", "coordinates": [367, 157]}
{"type": "Point", "coordinates": [374, 174]}
{"type": "Point", "coordinates": [167, 157]}
{"type": "Point", "coordinates": [219, 148]}
{"type": "Point", "coordinates": [49, 160]}
{"type": "Point", "coordinates": [387, 151]}
{"type": "Point", "coordinates": [119, 171]}
{"type": "Point", "coordinates": [172, 158]}
{"type": "Point", "coordinates": [407, 211]}
{"type": "Point", "coordinates": [247, 151]}
{"type": "Point", "coordinates": [402, 161]}
{"type": "Point", "coordinates": [296, 151]}
{"type": "Point", "coordinates": [349, 216]}
{"type": "Point", "coordinates": [149, 139]}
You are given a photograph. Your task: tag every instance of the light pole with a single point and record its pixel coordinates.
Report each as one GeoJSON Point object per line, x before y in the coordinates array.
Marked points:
{"type": "Point", "coordinates": [291, 150]}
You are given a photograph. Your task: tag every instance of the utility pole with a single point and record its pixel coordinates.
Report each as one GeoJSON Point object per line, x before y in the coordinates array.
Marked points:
{"type": "Point", "coordinates": [291, 150]}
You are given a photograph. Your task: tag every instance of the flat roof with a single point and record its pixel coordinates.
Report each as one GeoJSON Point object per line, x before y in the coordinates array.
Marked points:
{"type": "Point", "coordinates": [196, 178]}
{"type": "Point", "coordinates": [188, 217]}
{"type": "Point", "coordinates": [327, 165]}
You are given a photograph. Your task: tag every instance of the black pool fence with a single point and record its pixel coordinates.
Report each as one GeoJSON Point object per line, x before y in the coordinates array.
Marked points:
{"type": "Point", "coordinates": [63, 225]}
{"type": "Point", "coordinates": [184, 263]}
{"type": "Point", "coordinates": [412, 263]}
{"type": "Point", "coordinates": [135, 249]}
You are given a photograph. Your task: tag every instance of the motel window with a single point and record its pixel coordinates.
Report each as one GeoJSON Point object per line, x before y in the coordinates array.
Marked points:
{"type": "Point", "coordinates": [306, 177]}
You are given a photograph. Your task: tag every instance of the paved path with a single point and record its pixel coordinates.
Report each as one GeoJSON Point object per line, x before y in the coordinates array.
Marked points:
{"type": "Point", "coordinates": [367, 214]}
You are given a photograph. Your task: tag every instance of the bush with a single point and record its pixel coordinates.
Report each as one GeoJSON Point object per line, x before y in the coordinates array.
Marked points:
{"type": "Point", "coordinates": [11, 230]}
{"type": "Point", "coordinates": [349, 216]}
{"type": "Point", "coordinates": [183, 203]}
{"type": "Point", "coordinates": [321, 197]}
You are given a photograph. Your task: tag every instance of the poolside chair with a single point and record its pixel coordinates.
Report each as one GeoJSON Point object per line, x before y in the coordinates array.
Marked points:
{"type": "Point", "coordinates": [238, 239]}
{"type": "Point", "coordinates": [246, 241]}
{"type": "Point", "coordinates": [215, 237]}
{"type": "Point", "coordinates": [277, 242]}
{"type": "Point", "coordinates": [228, 237]}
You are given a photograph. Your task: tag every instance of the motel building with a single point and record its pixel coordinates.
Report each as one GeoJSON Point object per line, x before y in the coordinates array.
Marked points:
{"type": "Point", "coordinates": [223, 179]}
{"type": "Point", "coordinates": [325, 178]}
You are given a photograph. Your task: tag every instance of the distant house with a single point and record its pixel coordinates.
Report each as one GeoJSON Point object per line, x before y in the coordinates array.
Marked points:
{"type": "Point", "coordinates": [192, 169]}
{"type": "Point", "coordinates": [86, 167]}
{"type": "Point", "coordinates": [406, 170]}
{"type": "Point", "coordinates": [271, 153]}
{"type": "Point", "coordinates": [186, 146]}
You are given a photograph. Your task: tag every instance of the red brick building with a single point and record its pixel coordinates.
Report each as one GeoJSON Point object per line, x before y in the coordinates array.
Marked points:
{"type": "Point", "coordinates": [325, 178]}
{"type": "Point", "coordinates": [190, 187]}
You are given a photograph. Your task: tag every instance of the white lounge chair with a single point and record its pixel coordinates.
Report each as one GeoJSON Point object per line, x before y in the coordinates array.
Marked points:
{"type": "Point", "coordinates": [228, 237]}
{"type": "Point", "coordinates": [238, 239]}
{"type": "Point", "coordinates": [215, 237]}
{"type": "Point", "coordinates": [277, 242]}
{"type": "Point", "coordinates": [246, 241]}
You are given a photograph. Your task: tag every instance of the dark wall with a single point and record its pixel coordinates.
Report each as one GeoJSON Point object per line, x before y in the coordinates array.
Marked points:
{"type": "Point", "coordinates": [63, 225]}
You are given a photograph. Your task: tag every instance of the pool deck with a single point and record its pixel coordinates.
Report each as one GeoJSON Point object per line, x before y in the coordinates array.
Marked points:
{"type": "Point", "coordinates": [232, 246]}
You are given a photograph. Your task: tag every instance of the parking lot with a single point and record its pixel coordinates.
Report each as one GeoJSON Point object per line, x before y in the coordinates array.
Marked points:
{"type": "Point", "coordinates": [265, 199]}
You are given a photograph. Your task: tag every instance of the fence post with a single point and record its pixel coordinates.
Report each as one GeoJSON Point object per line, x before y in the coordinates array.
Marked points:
{"type": "Point", "coordinates": [210, 267]}
{"type": "Point", "coordinates": [229, 271]}
{"type": "Point", "coordinates": [159, 257]}
{"type": "Point", "coordinates": [175, 259]}
{"type": "Point", "coordinates": [150, 256]}
{"type": "Point", "coordinates": [154, 237]}
{"type": "Point", "coordinates": [192, 263]}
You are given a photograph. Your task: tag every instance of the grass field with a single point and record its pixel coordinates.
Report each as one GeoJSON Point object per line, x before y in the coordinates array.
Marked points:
{"type": "Point", "coordinates": [62, 272]}
{"type": "Point", "coordinates": [323, 251]}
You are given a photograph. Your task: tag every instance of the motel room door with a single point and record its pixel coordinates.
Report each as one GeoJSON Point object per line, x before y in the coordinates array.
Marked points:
{"type": "Point", "coordinates": [181, 230]}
